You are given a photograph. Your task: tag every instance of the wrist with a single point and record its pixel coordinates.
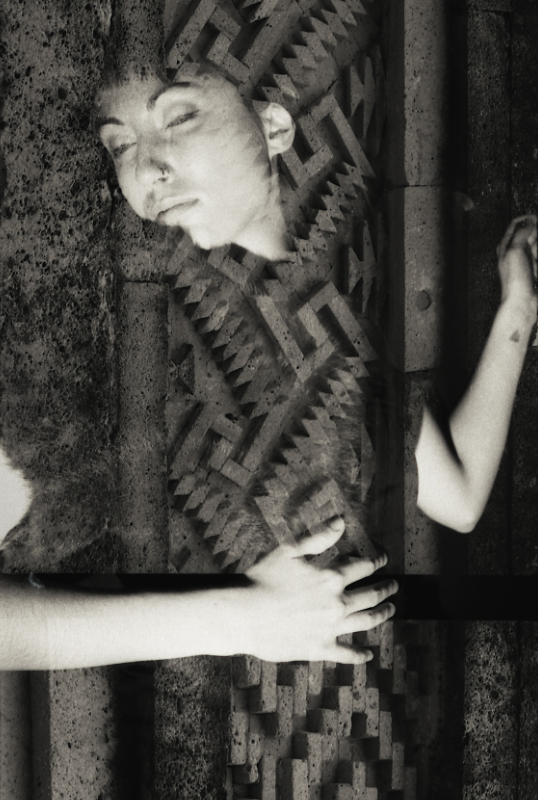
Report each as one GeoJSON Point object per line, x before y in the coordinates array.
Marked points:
{"type": "Point", "coordinates": [520, 310]}
{"type": "Point", "coordinates": [213, 622]}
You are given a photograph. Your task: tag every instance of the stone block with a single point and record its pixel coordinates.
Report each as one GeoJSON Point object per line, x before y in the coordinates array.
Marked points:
{"type": "Point", "coordinates": [239, 736]}
{"type": "Point", "coordinates": [489, 187]}
{"type": "Point", "coordinates": [417, 93]}
{"type": "Point", "coordinates": [499, 6]}
{"type": "Point", "coordinates": [528, 714]}
{"type": "Point", "coordinates": [263, 697]}
{"type": "Point", "coordinates": [192, 727]}
{"type": "Point", "coordinates": [15, 736]}
{"type": "Point", "coordinates": [421, 534]}
{"type": "Point", "coordinates": [490, 755]}
{"type": "Point", "coordinates": [418, 261]}
{"type": "Point", "coordinates": [293, 779]}
{"type": "Point", "coordinates": [143, 358]}
{"type": "Point", "coordinates": [524, 174]}
{"type": "Point", "coordinates": [489, 167]}
{"type": "Point", "coordinates": [74, 737]}
{"type": "Point", "coordinates": [308, 747]}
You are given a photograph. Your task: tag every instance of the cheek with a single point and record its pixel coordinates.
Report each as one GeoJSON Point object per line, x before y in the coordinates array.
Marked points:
{"type": "Point", "coordinates": [129, 189]}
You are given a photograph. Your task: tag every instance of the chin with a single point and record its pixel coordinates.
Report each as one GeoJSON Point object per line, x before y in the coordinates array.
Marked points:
{"type": "Point", "coordinates": [208, 240]}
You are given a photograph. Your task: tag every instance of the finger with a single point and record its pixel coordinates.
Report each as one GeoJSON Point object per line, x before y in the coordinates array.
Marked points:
{"type": "Point", "coordinates": [361, 568]}
{"type": "Point", "coordinates": [518, 222]}
{"type": "Point", "coordinates": [344, 654]}
{"type": "Point", "coordinates": [369, 596]}
{"type": "Point", "coordinates": [523, 233]}
{"type": "Point", "coordinates": [366, 620]}
{"type": "Point", "coordinates": [321, 541]}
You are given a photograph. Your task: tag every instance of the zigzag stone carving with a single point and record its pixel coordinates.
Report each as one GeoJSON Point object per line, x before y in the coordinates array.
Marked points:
{"type": "Point", "coordinates": [292, 341]}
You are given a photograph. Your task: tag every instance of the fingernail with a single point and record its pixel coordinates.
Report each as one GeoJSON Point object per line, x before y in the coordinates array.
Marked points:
{"type": "Point", "coordinates": [336, 523]}
{"type": "Point", "coordinates": [369, 655]}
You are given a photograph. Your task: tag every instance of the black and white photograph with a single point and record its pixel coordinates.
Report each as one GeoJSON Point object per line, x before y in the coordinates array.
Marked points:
{"type": "Point", "coordinates": [268, 400]}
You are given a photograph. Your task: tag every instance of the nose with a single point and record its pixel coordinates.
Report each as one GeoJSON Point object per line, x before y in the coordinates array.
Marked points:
{"type": "Point", "coordinates": [151, 164]}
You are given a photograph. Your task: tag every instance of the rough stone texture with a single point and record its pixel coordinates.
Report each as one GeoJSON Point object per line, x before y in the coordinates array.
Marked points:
{"type": "Point", "coordinates": [56, 285]}
{"type": "Point", "coordinates": [344, 731]}
{"type": "Point", "coordinates": [73, 735]}
{"type": "Point", "coordinates": [441, 655]}
{"type": "Point", "coordinates": [15, 736]}
{"type": "Point", "coordinates": [488, 166]}
{"type": "Point", "coordinates": [491, 705]}
{"type": "Point", "coordinates": [418, 93]}
{"type": "Point", "coordinates": [417, 266]}
{"type": "Point", "coordinates": [528, 716]}
{"type": "Point", "coordinates": [423, 538]}
{"type": "Point", "coordinates": [192, 732]}
{"type": "Point", "coordinates": [524, 119]}
{"type": "Point", "coordinates": [501, 6]}
{"type": "Point", "coordinates": [143, 353]}
{"type": "Point", "coordinates": [489, 188]}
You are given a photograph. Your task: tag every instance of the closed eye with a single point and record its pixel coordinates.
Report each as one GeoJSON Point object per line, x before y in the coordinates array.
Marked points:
{"type": "Point", "coordinates": [181, 119]}
{"type": "Point", "coordinates": [118, 151]}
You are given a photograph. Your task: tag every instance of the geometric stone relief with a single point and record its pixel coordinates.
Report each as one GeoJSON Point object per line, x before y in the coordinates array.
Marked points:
{"type": "Point", "coordinates": [283, 436]}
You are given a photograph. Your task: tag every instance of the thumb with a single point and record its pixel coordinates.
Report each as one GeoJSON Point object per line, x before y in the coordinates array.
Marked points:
{"type": "Point", "coordinates": [320, 541]}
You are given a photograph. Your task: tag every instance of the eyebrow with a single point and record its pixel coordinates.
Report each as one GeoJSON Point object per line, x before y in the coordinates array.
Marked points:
{"type": "Point", "coordinates": [102, 121]}
{"type": "Point", "coordinates": [163, 89]}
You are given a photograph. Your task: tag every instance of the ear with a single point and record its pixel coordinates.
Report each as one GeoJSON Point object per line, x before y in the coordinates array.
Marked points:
{"type": "Point", "coordinates": [278, 126]}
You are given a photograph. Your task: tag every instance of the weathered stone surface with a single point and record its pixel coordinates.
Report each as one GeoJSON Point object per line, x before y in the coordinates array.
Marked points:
{"type": "Point", "coordinates": [440, 719]}
{"type": "Point", "coordinates": [489, 188]}
{"type": "Point", "coordinates": [491, 700]}
{"type": "Point", "coordinates": [528, 713]}
{"type": "Point", "coordinates": [421, 534]}
{"type": "Point", "coordinates": [501, 6]}
{"type": "Point", "coordinates": [73, 736]}
{"type": "Point", "coordinates": [141, 520]}
{"type": "Point", "coordinates": [57, 375]}
{"type": "Point", "coordinates": [417, 222]}
{"type": "Point", "coordinates": [192, 728]}
{"type": "Point", "coordinates": [417, 93]}
{"type": "Point", "coordinates": [488, 167]}
{"type": "Point", "coordinates": [15, 736]}
{"type": "Point", "coordinates": [524, 162]}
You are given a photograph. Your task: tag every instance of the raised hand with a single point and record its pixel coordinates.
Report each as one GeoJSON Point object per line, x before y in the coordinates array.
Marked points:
{"type": "Point", "coordinates": [517, 255]}
{"type": "Point", "coordinates": [297, 611]}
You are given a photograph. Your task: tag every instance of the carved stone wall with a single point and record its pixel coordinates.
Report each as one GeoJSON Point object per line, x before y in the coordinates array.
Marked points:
{"type": "Point", "coordinates": [272, 408]}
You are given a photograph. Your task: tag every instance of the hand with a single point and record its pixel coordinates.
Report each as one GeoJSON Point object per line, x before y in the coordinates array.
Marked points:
{"type": "Point", "coordinates": [296, 610]}
{"type": "Point", "coordinates": [517, 254]}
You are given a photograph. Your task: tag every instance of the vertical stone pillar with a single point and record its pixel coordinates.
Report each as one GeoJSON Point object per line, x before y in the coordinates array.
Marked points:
{"type": "Point", "coordinates": [15, 736]}
{"type": "Point", "coordinates": [142, 523]}
{"type": "Point", "coordinates": [417, 212]}
{"type": "Point", "coordinates": [73, 741]}
{"type": "Point", "coordinates": [490, 757]}
{"type": "Point", "coordinates": [488, 166]}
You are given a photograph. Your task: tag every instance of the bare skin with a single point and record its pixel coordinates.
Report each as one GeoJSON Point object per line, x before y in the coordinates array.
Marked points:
{"type": "Point", "coordinates": [15, 495]}
{"type": "Point", "coordinates": [291, 611]}
{"type": "Point", "coordinates": [453, 490]}
{"type": "Point", "coordinates": [192, 155]}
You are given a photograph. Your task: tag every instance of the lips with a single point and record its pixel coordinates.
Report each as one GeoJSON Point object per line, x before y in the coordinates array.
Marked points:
{"type": "Point", "coordinates": [176, 208]}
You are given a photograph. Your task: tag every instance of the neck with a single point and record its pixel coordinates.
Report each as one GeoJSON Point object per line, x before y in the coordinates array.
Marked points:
{"type": "Point", "coordinates": [267, 236]}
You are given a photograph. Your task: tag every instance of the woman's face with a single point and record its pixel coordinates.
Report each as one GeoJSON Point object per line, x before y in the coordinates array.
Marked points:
{"type": "Point", "coordinates": [188, 155]}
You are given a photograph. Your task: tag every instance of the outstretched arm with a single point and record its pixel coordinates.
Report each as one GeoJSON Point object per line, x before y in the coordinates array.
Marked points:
{"type": "Point", "coordinates": [454, 488]}
{"type": "Point", "coordinates": [291, 611]}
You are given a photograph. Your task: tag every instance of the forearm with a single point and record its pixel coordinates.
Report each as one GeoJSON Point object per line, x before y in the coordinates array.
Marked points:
{"type": "Point", "coordinates": [479, 425]}
{"type": "Point", "coordinates": [50, 629]}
